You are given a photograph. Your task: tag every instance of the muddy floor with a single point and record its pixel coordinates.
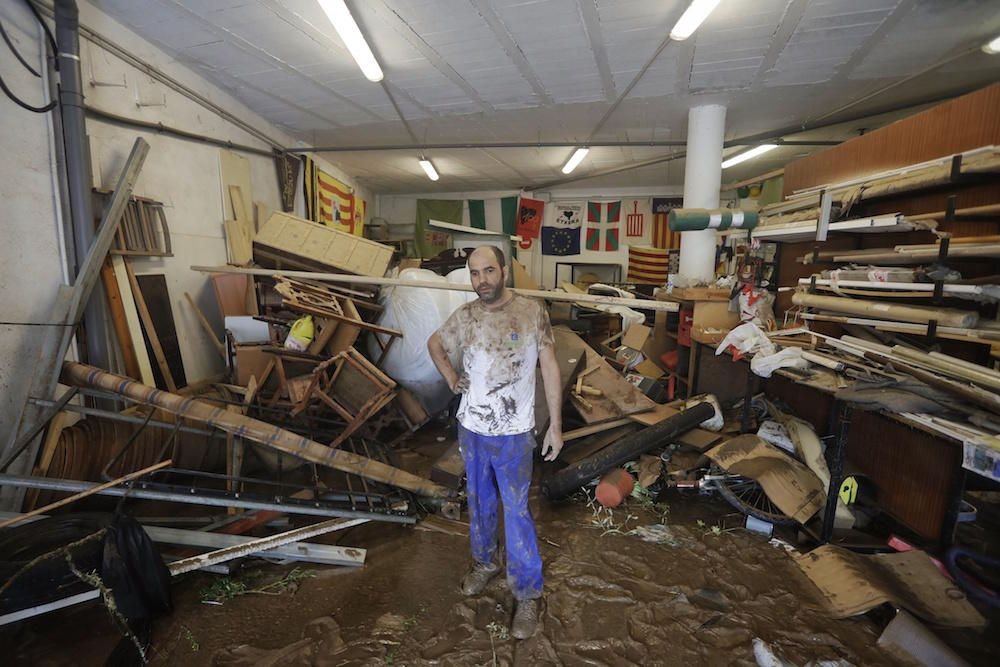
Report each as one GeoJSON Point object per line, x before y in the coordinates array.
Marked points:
{"type": "Point", "coordinates": [699, 596]}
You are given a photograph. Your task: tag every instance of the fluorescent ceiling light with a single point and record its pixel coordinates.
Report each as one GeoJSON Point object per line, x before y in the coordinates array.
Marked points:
{"type": "Point", "coordinates": [429, 169]}
{"type": "Point", "coordinates": [693, 16]}
{"type": "Point", "coordinates": [748, 155]}
{"type": "Point", "coordinates": [575, 159]}
{"type": "Point", "coordinates": [992, 46]}
{"type": "Point", "coordinates": [347, 28]}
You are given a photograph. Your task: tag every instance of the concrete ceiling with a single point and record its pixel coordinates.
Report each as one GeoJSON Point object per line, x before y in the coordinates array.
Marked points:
{"type": "Point", "coordinates": [477, 71]}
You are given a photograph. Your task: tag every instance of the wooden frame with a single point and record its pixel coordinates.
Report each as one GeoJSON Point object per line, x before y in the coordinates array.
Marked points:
{"type": "Point", "coordinates": [335, 384]}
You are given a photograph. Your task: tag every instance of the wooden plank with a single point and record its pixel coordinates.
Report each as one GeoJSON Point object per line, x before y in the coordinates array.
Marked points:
{"type": "Point", "coordinates": [240, 246]}
{"type": "Point", "coordinates": [619, 399]}
{"type": "Point", "coordinates": [231, 294]}
{"type": "Point", "coordinates": [570, 355]}
{"type": "Point", "coordinates": [206, 326]}
{"type": "Point", "coordinates": [548, 295]}
{"type": "Point", "coordinates": [345, 335]}
{"type": "Point", "coordinates": [449, 469]}
{"type": "Point", "coordinates": [119, 320]}
{"type": "Point", "coordinates": [585, 447]}
{"type": "Point", "coordinates": [149, 329]}
{"type": "Point", "coordinates": [240, 211]}
{"type": "Point", "coordinates": [132, 319]}
{"type": "Point", "coordinates": [157, 297]}
{"type": "Point", "coordinates": [234, 170]}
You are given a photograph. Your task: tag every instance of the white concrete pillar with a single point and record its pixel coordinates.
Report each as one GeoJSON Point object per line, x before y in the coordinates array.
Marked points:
{"type": "Point", "coordinates": [702, 180]}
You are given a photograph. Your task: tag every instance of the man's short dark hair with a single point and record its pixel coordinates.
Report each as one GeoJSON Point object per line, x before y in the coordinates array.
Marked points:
{"type": "Point", "coordinates": [498, 253]}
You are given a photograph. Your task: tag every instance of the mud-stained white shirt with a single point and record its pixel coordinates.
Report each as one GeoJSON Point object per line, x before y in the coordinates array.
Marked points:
{"type": "Point", "coordinates": [499, 353]}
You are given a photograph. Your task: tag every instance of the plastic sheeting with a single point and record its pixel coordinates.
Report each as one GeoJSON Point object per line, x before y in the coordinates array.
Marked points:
{"type": "Point", "coordinates": [418, 313]}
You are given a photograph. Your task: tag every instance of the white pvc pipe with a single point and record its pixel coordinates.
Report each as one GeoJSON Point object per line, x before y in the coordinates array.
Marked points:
{"type": "Point", "coordinates": [702, 180]}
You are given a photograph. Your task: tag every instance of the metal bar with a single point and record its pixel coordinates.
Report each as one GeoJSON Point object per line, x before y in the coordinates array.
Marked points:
{"type": "Point", "coordinates": [20, 615]}
{"type": "Point", "coordinates": [323, 554]}
{"type": "Point", "coordinates": [843, 412]}
{"type": "Point", "coordinates": [43, 420]}
{"type": "Point", "coordinates": [825, 207]}
{"type": "Point", "coordinates": [69, 307]}
{"type": "Point", "coordinates": [146, 491]}
{"type": "Point", "coordinates": [262, 544]}
{"type": "Point", "coordinates": [128, 419]}
{"type": "Point", "coordinates": [269, 435]}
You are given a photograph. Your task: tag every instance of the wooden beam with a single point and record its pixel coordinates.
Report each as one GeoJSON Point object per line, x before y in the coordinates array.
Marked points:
{"type": "Point", "coordinates": [203, 321]}
{"type": "Point", "coordinates": [643, 304]}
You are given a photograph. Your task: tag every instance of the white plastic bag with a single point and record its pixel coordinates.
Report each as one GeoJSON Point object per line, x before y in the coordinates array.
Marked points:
{"type": "Point", "coordinates": [747, 338]}
{"type": "Point", "coordinates": [418, 312]}
{"type": "Point", "coordinates": [765, 364]}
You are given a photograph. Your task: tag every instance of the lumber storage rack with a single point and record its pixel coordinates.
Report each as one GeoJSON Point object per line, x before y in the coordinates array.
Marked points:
{"type": "Point", "coordinates": [951, 214]}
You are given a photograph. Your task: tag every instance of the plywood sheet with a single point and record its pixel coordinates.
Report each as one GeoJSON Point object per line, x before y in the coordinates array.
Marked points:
{"type": "Point", "coordinates": [132, 319]}
{"type": "Point", "coordinates": [570, 356]}
{"type": "Point", "coordinates": [235, 172]}
{"type": "Point", "coordinates": [327, 246]}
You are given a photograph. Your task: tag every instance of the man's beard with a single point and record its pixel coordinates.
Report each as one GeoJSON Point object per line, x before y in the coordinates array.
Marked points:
{"type": "Point", "coordinates": [492, 295]}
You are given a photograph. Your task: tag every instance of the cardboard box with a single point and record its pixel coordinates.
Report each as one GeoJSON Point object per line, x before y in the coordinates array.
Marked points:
{"type": "Point", "coordinates": [712, 321]}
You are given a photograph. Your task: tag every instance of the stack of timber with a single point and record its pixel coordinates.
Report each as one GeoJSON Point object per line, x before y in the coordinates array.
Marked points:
{"type": "Point", "coordinates": [805, 206]}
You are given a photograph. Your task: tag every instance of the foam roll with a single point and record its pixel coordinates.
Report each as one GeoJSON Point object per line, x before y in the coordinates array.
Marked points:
{"type": "Point", "coordinates": [697, 219]}
{"type": "Point", "coordinates": [946, 317]}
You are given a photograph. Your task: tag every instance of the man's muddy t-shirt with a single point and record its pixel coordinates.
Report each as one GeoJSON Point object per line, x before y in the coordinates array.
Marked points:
{"type": "Point", "coordinates": [499, 352]}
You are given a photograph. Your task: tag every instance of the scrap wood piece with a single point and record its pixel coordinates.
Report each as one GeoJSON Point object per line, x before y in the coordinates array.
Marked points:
{"type": "Point", "coordinates": [696, 438]}
{"type": "Point", "coordinates": [206, 326]}
{"type": "Point", "coordinates": [259, 545]}
{"type": "Point", "coordinates": [119, 320]}
{"type": "Point", "coordinates": [620, 398]}
{"type": "Point", "coordinates": [449, 469]}
{"type": "Point", "coordinates": [570, 355]}
{"type": "Point", "coordinates": [853, 583]}
{"type": "Point", "coordinates": [273, 437]}
{"type": "Point", "coordinates": [586, 446]}
{"type": "Point", "coordinates": [318, 300]}
{"type": "Point", "coordinates": [789, 484]}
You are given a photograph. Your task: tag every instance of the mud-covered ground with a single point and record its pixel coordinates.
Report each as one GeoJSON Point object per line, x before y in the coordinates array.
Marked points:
{"type": "Point", "coordinates": [610, 599]}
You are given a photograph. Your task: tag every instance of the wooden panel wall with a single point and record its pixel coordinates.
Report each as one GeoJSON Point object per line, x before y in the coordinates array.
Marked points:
{"type": "Point", "coordinates": [913, 471]}
{"type": "Point", "coordinates": [958, 125]}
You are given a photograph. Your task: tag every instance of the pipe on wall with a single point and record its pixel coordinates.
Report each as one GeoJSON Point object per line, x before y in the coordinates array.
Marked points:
{"type": "Point", "coordinates": [79, 180]}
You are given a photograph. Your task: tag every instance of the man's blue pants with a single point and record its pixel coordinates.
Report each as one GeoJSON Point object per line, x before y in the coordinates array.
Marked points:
{"type": "Point", "coordinates": [504, 462]}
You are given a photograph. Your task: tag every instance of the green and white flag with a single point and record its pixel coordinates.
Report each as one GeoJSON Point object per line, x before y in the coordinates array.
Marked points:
{"type": "Point", "coordinates": [495, 215]}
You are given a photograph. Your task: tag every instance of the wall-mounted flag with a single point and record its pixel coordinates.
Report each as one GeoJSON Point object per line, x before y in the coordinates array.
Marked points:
{"type": "Point", "coordinates": [561, 233]}
{"type": "Point", "coordinates": [602, 221]}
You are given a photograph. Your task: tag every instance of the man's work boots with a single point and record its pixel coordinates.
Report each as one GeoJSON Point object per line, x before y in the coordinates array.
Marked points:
{"type": "Point", "coordinates": [525, 619]}
{"type": "Point", "coordinates": [479, 576]}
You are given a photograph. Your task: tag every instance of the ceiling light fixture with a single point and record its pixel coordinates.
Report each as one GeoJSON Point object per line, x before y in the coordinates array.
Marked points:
{"type": "Point", "coordinates": [993, 46]}
{"type": "Point", "coordinates": [575, 159]}
{"type": "Point", "coordinates": [748, 155]}
{"type": "Point", "coordinates": [693, 16]}
{"type": "Point", "coordinates": [350, 33]}
{"type": "Point", "coordinates": [429, 169]}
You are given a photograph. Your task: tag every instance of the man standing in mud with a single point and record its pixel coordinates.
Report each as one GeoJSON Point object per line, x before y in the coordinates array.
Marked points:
{"type": "Point", "coordinates": [501, 335]}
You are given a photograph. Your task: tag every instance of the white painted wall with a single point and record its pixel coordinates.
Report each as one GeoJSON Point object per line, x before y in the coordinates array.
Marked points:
{"type": "Point", "coordinates": [30, 265]}
{"type": "Point", "coordinates": [185, 175]}
{"type": "Point", "coordinates": [401, 211]}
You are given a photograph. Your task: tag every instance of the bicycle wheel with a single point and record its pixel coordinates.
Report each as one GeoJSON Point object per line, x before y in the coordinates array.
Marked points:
{"type": "Point", "coordinates": [747, 496]}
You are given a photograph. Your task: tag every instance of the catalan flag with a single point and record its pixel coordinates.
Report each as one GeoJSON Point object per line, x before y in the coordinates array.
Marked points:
{"type": "Point", "coordinates": [328, 201]}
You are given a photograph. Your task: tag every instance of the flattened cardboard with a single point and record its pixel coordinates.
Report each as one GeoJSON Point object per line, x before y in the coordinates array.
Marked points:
{"type": "Point", "coordinates": [790, 485]}
{"type": "Point", "coordinates": [853, 584]}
